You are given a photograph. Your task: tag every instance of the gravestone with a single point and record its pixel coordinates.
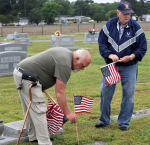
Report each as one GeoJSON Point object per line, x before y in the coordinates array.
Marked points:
{"type": "Point", "coordinates": [10, 37]}
{"type": "Point", "coordinates": [89, 38]}
{"type": "Point", "coordinates": [12, 130]}
{"type": "Point", "coordinates": [64, 41]}
{"type": "Point", "coordinates": [13, 47]}
{"type": "Point", "coordinates": [9, 60]}
{"type": "Point", "coordinates": [22, 40]}
{"type": "Point", "coordinates": [53, 40]}
{"type": "Point", "coordinates": [21, 35]}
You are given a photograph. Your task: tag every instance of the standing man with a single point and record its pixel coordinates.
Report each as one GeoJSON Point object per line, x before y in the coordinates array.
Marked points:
{"type": "Point", "coordinates": [123, 40]}
{"type": "Point", "coordinates": [51, 67]}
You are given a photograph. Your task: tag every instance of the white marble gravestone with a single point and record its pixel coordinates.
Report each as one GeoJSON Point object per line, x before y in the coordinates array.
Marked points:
{"type": "Point", "coordinates": [89, 38]}
{"type": "Point", "coordinates": [10, 37]}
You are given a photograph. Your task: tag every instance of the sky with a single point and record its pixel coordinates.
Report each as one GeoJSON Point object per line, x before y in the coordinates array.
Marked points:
{"type": "Point", "coordinates": [101, 1]}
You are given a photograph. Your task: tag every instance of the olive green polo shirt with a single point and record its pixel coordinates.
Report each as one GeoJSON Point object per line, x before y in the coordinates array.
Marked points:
{"type": "Point", "coordinates": [50, 64]}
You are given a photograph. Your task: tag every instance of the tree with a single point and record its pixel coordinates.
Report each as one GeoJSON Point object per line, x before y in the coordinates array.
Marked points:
{"type": "Point", "coordinates": [35, 16]}
{"type": "Point", "coordinates": [10, 18]}
{"type": "Point", "coordinates": [113, 13]}
{"type": "Point", "coordinates": [25, 6]}
{"type": "Point", "coordinates": [64, 6]}
{"type": "Point", "coordinates": [50, 10]}
{"type": "Point", "coordinates": [3, 19]}
{"type": "Point", "coordinates": [5, 7]}
{"type": "Point", "coordinates": [81, 8]}
{"type": "Point", "coordinates": [95, 8]}
{"type": "Point", "coordinates": [98, 17]}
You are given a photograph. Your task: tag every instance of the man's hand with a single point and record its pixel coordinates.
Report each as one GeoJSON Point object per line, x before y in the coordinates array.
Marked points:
{"type": "Point", "coordinates": [72, 117]}
{"type": "Point", "coordinates": [114, 57]}
{"type": "Point", "coordinates": [125, 59]}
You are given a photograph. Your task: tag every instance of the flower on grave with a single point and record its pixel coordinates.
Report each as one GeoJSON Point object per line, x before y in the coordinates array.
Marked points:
{"type": "Point", "coordinates": [57, 33]}
{"type": "Point", "coordinates": [91, 31]}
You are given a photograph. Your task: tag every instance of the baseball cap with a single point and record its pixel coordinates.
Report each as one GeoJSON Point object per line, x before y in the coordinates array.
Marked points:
{"type": "Point", "coordinates": [125, 7]}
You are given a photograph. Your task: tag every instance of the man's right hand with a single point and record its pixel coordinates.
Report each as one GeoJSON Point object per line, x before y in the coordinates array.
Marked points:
{"type": "Point", "coordinates": [114, 57]}
{"type": "Point", "coordinates": [72, 117]}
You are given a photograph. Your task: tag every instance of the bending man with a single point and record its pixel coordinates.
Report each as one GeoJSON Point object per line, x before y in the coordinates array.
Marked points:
{"type": "Point", "coordinates": [52, 66]}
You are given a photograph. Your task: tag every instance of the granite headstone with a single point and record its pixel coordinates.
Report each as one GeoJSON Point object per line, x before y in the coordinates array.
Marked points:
{"type": "Point", "coordinates": [66, 41]}
{"type": "Point", "coordinates": [9, 60]}
{"type": "Point", "coordinates": [91, 38]}
{"type": "Point", "coordinates": [13, 47]}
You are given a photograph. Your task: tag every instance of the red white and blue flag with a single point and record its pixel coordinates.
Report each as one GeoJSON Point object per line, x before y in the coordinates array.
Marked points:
{"type": "Point", "coordinates": [55, 117]}
{"type": "Point", "coordinates": [111, 74]}
{"type": "Point", "coordinates": [83, 104]}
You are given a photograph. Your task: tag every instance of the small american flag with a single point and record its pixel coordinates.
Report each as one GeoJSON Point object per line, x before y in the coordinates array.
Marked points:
{"type": "Point", "coordinates": [55, 117]}
{"type": "Point", "coordinates": [111, 74]}
{"type": "Point", "coordinates": [83, 104]}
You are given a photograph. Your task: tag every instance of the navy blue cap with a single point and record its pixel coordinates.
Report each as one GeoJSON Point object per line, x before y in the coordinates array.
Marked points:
{"type": "Point", "coordinates": [125, 7]}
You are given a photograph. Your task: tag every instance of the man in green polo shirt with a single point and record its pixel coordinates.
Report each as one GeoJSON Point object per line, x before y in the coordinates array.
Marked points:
{"type": "Point", "coordinates": [52, 66]}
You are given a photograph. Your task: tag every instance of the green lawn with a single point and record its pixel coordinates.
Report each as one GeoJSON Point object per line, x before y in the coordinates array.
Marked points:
{"type": "Point", "coordinates": [87, 83]}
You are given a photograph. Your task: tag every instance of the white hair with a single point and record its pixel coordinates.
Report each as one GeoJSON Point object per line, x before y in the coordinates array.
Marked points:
{"type": "Point", "coordinates": [81, 54]}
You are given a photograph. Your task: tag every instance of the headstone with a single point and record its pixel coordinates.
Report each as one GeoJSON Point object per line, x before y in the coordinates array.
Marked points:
{"type": "Point", "coordinates": [91, 38]}
{"type": "Point", "coordinates": [66, 41]}
{"type": "Point", "coordinates": [22, 35]}
{"type": "Point", "coordinates": [13, 47]}
{"type": "Point", "coordinates": [10, 37]}
{"type": "Point", "coordinates": [22, 40]}
{"type": "Point", "coordinates": [1, 129]}
{"type": "Point", "coordinates": [9, 60]}
{"type": "Point", "coordinates": [12, 130]}
{"type": "Point", "coordinates": [53, 40]}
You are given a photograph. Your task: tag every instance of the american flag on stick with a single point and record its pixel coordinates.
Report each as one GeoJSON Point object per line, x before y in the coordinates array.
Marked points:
{"type": "Point", "coordinates": [111, 74]}
{"type": "Point", "coordinates": [55, 115]}
{"type": "Point", "coordinates": [83, 104]}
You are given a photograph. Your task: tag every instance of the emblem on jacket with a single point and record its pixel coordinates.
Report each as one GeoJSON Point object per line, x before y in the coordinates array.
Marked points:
{"type": "Point", "coordinates": [126, 6]}
{"type": "Point", "coordinates": [128, 34]}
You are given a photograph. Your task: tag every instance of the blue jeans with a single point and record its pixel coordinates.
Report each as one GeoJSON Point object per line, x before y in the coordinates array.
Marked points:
{"type": "Point", "coordinates": [128, 82]}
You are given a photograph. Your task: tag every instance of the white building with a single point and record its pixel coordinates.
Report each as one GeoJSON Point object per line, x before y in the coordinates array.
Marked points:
{"type": "Point", "coordinates": [144, 18]}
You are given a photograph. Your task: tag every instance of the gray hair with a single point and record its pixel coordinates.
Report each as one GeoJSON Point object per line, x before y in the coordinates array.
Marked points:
{"type": "Point", "coordinates": [81, 54]}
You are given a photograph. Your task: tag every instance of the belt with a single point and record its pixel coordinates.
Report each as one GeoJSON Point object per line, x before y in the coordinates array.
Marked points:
{"type": "Point", "coordinates": [19, 69]}
{"type": "Point", "coordinates": [27, 75]}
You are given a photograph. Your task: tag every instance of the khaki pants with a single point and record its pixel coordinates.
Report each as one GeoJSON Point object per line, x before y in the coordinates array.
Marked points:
{"type": "Point", "coordinates": [36, 122]}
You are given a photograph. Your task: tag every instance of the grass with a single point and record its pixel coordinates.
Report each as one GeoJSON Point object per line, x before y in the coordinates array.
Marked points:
{"type": "Point", "coordinates": [86, 83]}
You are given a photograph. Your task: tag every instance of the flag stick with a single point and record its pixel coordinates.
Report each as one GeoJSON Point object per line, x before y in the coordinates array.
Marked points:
{"type": "Point", "coordinates": [109, 64]}
{"type": "Point", "coordinates": [76, 124]}
{"type": "Point", "coordinates": [50, 97]}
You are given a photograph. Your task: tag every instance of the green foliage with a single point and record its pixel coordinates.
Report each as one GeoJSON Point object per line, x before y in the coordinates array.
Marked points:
{"type": "Point", "coordinates": [98, 17]}
{"type": "Point", "coordinates": [112, 13]}
{"type": "Point", "coordinates": [3, 19]}
{"type": "Point", "coordinates": [35, 16]}
{"type": "Point", "coordinates": [5, 7]}
{"type": "Point", "coordinates": [50, 10]}
{"type": "Point", "coordinates": [81, 8]}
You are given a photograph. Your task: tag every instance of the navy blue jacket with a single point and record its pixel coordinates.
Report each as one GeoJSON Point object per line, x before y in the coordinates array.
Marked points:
{"type": "Point", "coordinates": [133, 41]}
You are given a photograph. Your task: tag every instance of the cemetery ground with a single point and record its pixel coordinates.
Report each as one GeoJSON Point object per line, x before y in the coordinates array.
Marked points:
{"type": "Point", "coordinates": [86, 83]}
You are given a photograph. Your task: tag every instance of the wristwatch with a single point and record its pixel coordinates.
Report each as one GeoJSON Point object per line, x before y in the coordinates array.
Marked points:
{"type": "Point", "coordinates": [131, 57]}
